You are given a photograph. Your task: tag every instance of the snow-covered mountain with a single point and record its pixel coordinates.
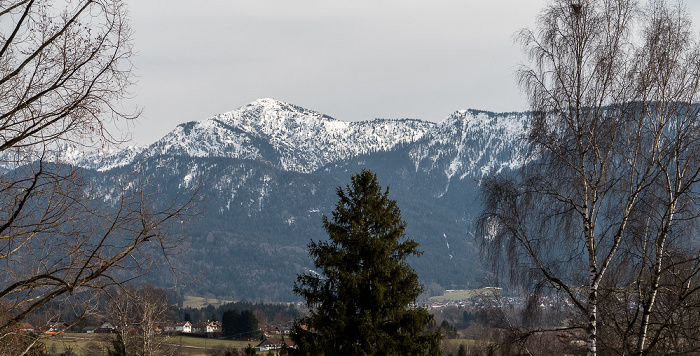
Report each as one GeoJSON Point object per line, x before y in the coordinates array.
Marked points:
{"type": "Point", "coordinates": [471, 143]}
{"type": "Point", "coordinates": [287, 136]}
{"type": "Point", "coordinates": [269, 170]}
{"type": "Point", "coordinates": [468, 143]}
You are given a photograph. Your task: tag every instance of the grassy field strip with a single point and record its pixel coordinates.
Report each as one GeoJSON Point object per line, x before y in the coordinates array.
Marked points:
{"type": "Point", "coordinates": [78, 342]}
{"type": "Point", "coordinates": [461, 294]}
{"type": "Point", "coordinates": [201, 302]}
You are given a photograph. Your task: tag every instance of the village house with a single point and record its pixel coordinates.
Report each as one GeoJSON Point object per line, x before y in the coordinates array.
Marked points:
{"type": "Point", "coordinates": [206, 327]}
{"type": "Point", "coordinates": [274, 343]}
{"type": "Point", "coordinates": [105, 328]}
{"type": "Point", "coordinates": [26, 327]}
{"type": "Point", "coordinates": [275, 331]}
{"type": "Point", "coordinates": [270, 331]}
{"type": "Point", "coordinates": [57, 327]}
{"type": "Point", "coordinates": [178, 327]}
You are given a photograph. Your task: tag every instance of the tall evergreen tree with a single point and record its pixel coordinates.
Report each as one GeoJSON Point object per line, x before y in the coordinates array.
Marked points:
{"type": "Point", "coordinates": [230, 323]}
{"type": "Point", "coordinates": [363, 300]}
{"type": "Point", "coordinates": [239, 325]}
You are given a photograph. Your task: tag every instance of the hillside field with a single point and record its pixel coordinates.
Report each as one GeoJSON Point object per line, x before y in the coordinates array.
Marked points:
{"type": "Point", "coordinates": [461, 294]}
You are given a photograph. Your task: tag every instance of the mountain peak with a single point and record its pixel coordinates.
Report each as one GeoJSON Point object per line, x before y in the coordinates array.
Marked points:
{"type": "Point", "coordinates": [265, 104]}
{"type": "Point", "coordinates": [272, 107]}
{"type": "Point", "coordinates": [287, 136]}
{"type": "Point", "coordinates": [292, 138]}
{"type": "Point", "coordinates": [268, 102]}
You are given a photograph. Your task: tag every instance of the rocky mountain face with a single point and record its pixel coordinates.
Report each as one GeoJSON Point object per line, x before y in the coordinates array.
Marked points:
{"type": "Point", "coordinates": [268, 171]}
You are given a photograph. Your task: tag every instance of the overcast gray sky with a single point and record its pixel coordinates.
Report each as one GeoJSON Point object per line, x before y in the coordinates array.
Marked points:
{"type": "Point", "coordinates": [350, 59]}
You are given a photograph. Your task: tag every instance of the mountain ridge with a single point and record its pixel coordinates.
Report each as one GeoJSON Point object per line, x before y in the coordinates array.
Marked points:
{"type": "Point", "coordinates": [302, 140]}
{"type": "Point", "coordinates": [268, 172]}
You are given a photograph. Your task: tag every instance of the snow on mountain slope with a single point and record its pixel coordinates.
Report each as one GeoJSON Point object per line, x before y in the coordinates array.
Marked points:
{"type": "Point", "coordinates": [284, 135]}
{"type": "Point", "coordinates": [471, 143]}
{"type": "Point", "coordinates": [101, 160]}
{"type": "Point", "coordinates": [468, 143]}
{"type": "Point", "coordinates": [305, 140]}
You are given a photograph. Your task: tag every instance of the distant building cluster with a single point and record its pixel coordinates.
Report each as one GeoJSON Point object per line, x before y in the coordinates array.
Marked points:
{"type": "Point", "coordinates": [545, 302]}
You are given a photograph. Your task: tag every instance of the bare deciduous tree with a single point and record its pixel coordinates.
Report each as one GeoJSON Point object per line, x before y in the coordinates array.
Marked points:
{"type": "Point", "coordinates": [136, 314]}
{"type": "Point", "coordinates": [606, 210]}
{"type": "Point", "coordinates": [64, 70]}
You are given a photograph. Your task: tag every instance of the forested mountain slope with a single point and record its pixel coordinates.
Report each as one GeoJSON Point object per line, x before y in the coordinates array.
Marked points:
{"type": "Point", "coordinates": [269, 170]}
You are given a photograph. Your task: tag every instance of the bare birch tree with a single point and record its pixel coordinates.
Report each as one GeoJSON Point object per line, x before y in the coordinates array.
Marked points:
{"type": "Point", "coordinates": [136, 314]}
{"type": "Point", "coordinates": [606, 210]}
{"type": "Point", "coordinates": [64, 70]}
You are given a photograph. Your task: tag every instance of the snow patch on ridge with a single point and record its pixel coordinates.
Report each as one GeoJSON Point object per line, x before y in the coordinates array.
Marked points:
{"type": "Point", "coordinates": [472, 143]}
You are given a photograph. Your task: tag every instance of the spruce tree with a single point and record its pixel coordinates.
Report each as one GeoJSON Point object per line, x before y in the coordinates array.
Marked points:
{"type": "Point", "coordinates": [362, 300]}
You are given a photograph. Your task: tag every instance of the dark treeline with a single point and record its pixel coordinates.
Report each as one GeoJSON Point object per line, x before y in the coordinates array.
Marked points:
{"type": "Point", "coordinates": [266, 314]}
{"type": "Point", "coordinates": [239, 326]}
